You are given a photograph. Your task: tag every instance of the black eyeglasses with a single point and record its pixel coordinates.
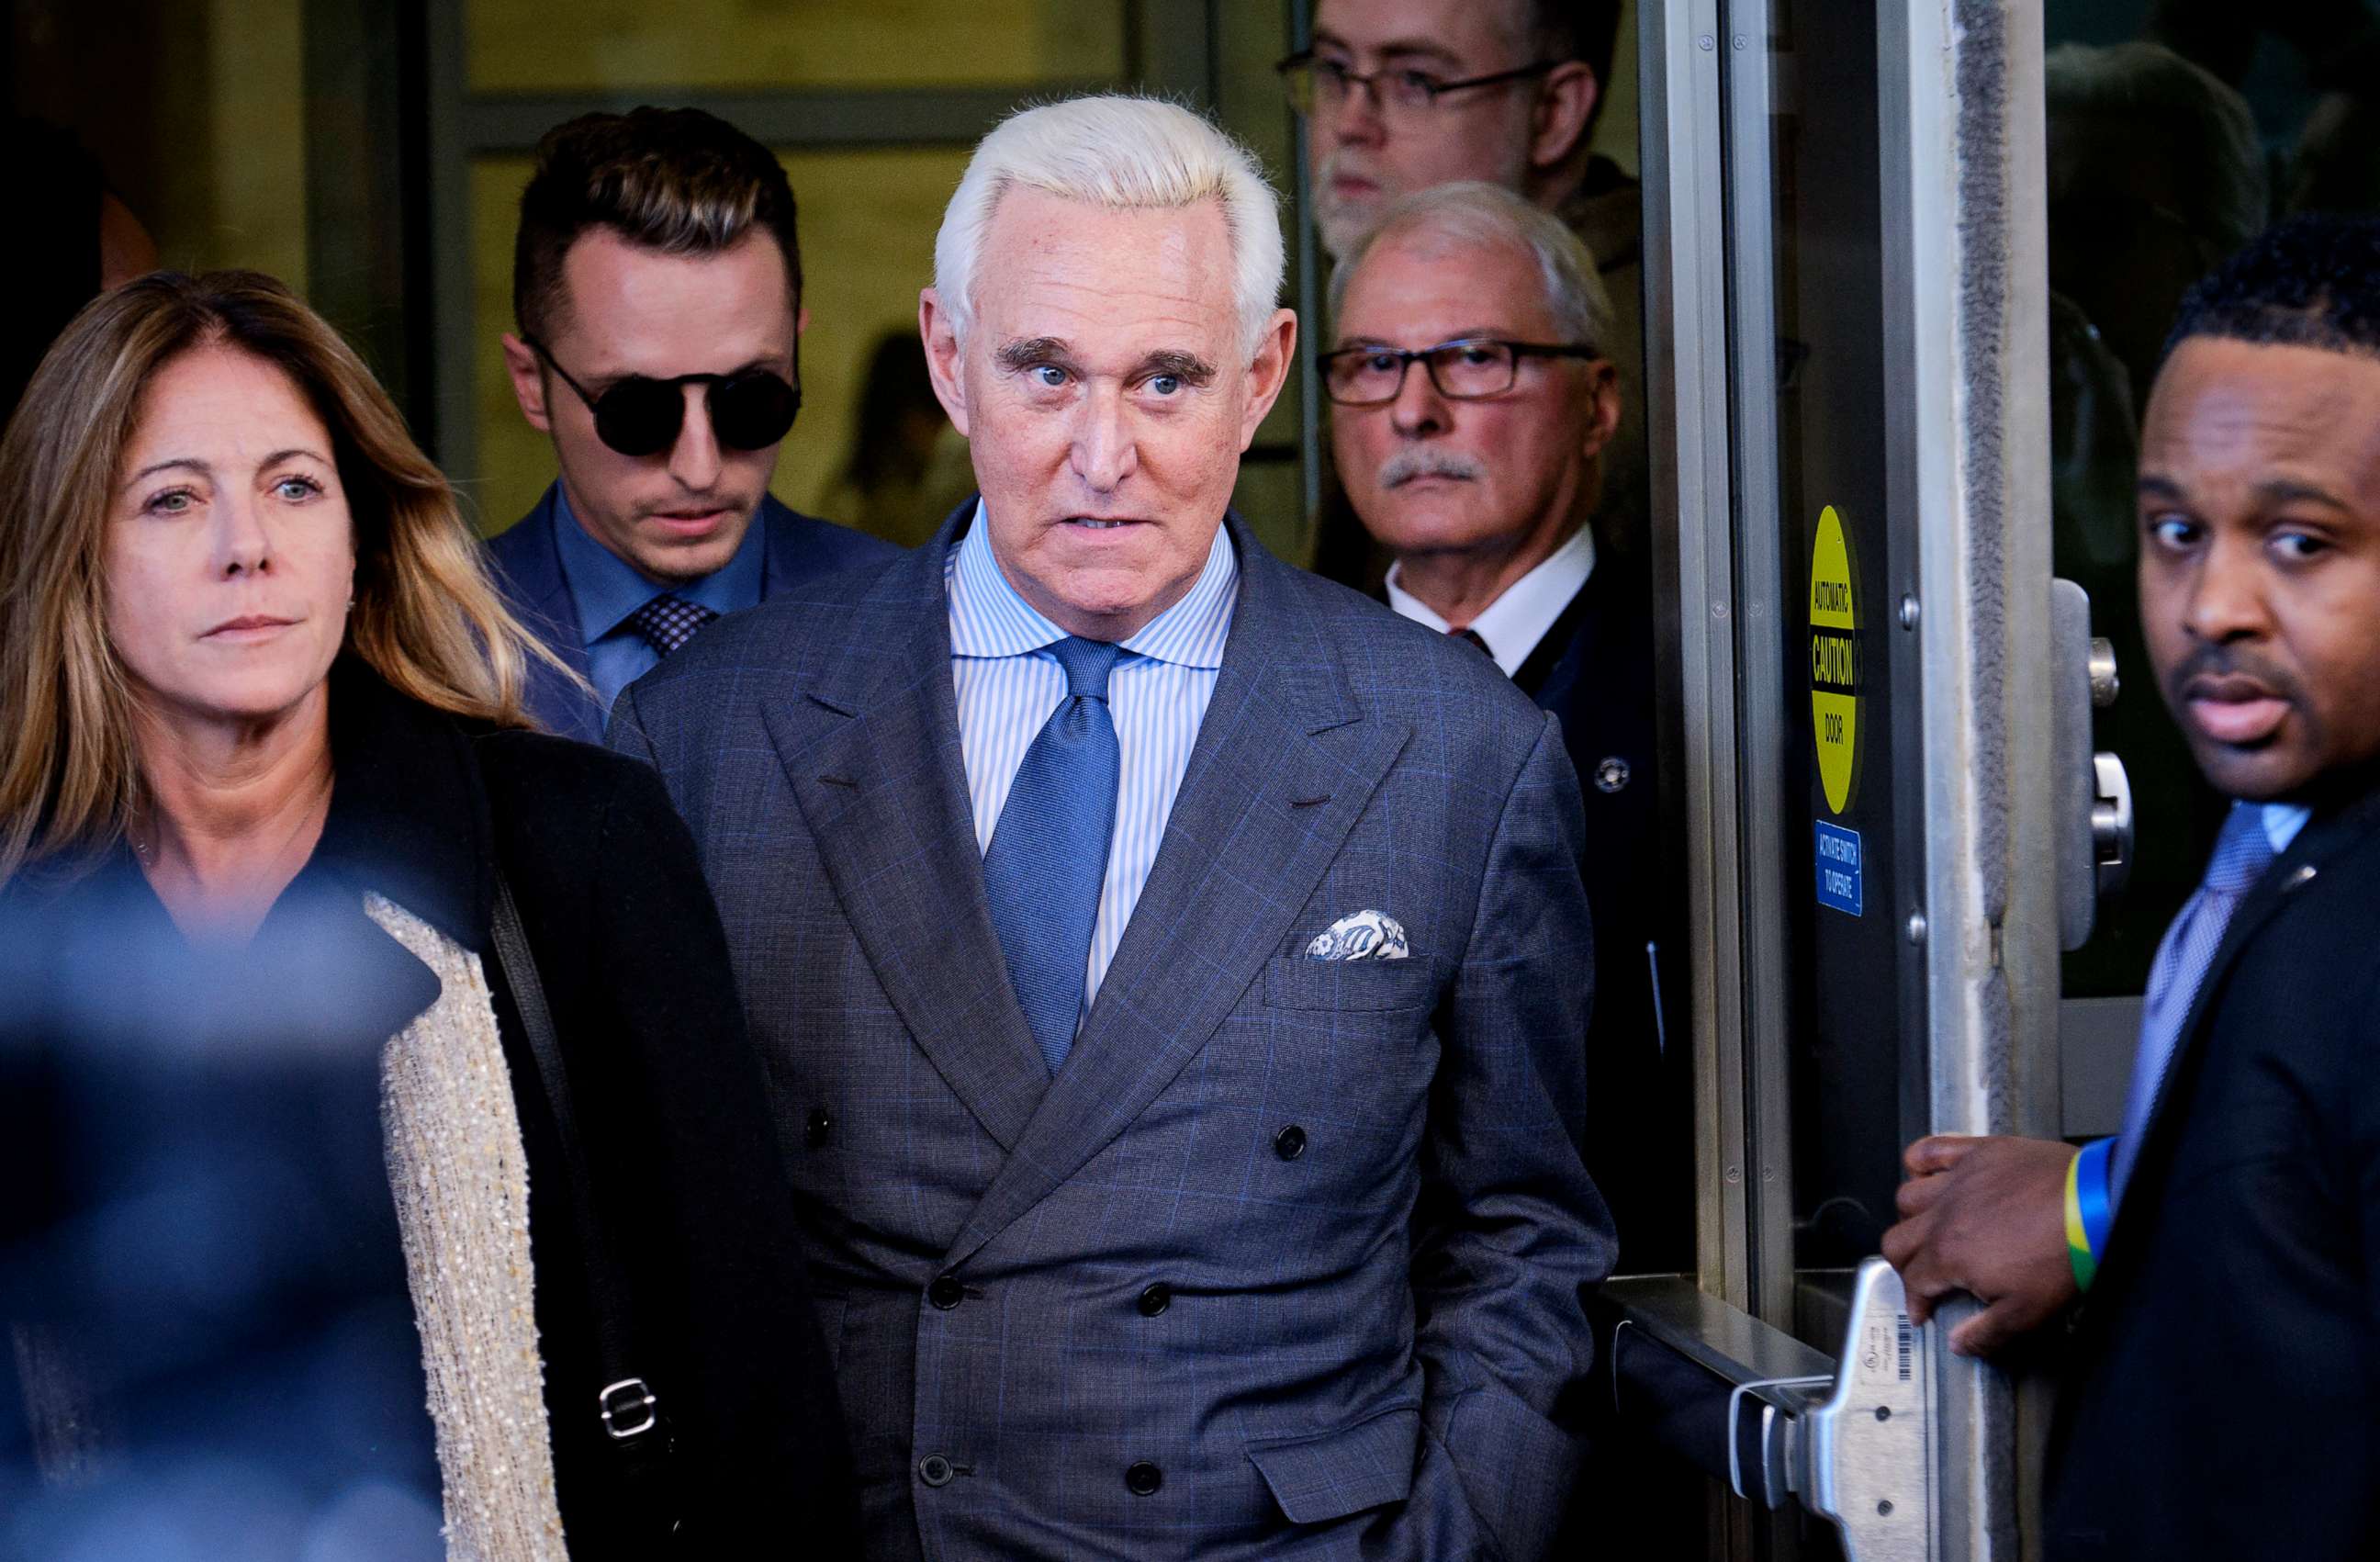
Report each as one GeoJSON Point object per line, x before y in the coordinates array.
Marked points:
{"type": "Point", "coordinates": [1469, 370]}
{"type": "Point", "coordinates": [1310, 79]}
{"type": "Point", "coordinates": [640, 416]}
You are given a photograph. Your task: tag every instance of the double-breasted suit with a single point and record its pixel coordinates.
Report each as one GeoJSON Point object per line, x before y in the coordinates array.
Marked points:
{"type": "Point", "coordinates": [1289, 1257]}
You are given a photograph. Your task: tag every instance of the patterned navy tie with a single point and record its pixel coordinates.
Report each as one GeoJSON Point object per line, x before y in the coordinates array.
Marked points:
{"type": "Point", "coordinates": [2242, 853]}
{"type": "Point", "coordinates": [1048, 852]}
{"type": "Point", "coordinates": [1471, 638]}
{"type": "Point", "coordinates": [668, 622]}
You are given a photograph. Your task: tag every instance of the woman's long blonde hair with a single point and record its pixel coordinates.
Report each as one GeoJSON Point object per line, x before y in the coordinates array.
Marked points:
{"type": "Point", "coordinates": [427, 618]}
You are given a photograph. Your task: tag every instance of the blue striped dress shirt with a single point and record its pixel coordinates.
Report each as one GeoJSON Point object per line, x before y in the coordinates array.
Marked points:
{"type": "Point", "coordinates": [1007, 686]}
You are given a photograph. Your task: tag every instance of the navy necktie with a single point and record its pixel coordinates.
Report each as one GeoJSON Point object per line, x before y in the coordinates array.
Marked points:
{"type": "Point", "coordinates": [2242, 853]}
{"type": "Point", "coordinates": [668, 622]}
{"type": "Point", "coordinates": [1049, 853]}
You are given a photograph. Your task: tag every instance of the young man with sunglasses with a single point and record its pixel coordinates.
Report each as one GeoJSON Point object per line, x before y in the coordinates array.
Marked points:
{"type": "Point", "coordinates": [657, 289]}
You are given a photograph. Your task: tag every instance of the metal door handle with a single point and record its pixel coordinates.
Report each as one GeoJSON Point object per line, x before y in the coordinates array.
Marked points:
{"type": "Point", "coordinates": [1739, 1399]}
{"type": "Point", "coordinates": [2095, 797]}
{"type": "Point", "coordinates": [2111, 823]}
{"type": "Point", "coordinates": [1867, 1447]}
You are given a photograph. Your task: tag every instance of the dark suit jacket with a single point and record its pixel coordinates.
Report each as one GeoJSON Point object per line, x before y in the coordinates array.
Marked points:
{"type": "Point", "coordinates": [667, 1093]}
{"type": "Point", "coordinates": [528, 568]}
{"type": "Point", "coordinates": [2220, 1398]}
{"type": "Point", "coordinates": [1289, 1259]}
{"type": "Point", "coordinates": [1594, 672]}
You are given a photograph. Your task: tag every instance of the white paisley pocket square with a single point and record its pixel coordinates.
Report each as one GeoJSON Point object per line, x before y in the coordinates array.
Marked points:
{"type": "Point", "coordinates": [1364, 935]}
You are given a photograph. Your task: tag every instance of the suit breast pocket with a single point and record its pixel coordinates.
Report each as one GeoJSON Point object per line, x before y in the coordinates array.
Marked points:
{"type": "Point", "coordinates": [1353, 986]}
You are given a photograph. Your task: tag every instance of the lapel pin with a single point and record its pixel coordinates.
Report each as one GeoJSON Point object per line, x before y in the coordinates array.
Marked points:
{"type": "Point", "coordinates": [1611, 774]}
{"type": "Point", "coordinates": [2298, 879]}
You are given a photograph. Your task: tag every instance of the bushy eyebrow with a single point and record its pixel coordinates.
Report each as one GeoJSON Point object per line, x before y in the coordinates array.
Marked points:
{"type": "Point", "coordinates": [1184, 366]}
{"type": "Point", "coordinates": [1025, 354]}
{"type": "Point", "coordinates": [1033, 351]}
{"type": "Point", "coordinates": [1483, 334]}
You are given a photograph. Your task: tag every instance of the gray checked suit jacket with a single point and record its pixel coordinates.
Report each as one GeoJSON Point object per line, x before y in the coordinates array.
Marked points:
{"type": "Point", "coordinates": [1288, 1260]}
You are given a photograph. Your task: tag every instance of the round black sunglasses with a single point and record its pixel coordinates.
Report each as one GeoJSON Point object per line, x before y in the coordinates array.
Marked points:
{"type": "Point", "coordinates": [751, 409]}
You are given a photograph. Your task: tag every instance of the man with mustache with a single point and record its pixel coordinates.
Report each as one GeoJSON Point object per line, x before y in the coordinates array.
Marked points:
{"type": "Point", "coordinates": [1399, 95]}
{"type": "Point", "coordinates": [1473, 408]}
{"type": "Point", "coordinates": [2220, 1258]}
{"type": "Point", "coordinates": [657, 285]}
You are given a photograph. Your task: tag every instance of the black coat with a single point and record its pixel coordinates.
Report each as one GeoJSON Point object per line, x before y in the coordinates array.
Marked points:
{"type": "Point", "coordinates": [1594, 671]}
{"type": "Point", "coordinates": [2222, 1399]}
{"type": "Point", "coordinates": [668, 1094]}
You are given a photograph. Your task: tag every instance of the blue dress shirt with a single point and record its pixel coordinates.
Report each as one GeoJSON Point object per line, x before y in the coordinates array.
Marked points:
{"type": "Point", "coordinates": [1007, 685]}
{"type": "Point", "coordinates": [607, 589]}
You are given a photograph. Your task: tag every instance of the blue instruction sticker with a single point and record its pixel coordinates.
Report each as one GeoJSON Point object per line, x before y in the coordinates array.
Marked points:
{"type": "Point", "coordinates": [1841, 883]}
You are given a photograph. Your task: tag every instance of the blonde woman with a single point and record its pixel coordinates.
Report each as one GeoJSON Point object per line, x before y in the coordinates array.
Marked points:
{"type": "Point", "coordinates": [375, 1096]}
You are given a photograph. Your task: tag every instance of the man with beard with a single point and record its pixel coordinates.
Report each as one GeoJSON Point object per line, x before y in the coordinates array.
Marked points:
{"type": "Point", "coordinates": [2217, 1256]}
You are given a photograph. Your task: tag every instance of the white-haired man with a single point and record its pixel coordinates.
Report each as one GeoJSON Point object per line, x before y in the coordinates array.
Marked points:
{"type": "Point", "coordinates": [1399, 96]}
{"type": "Point", "coordinates": [1170, 965]}
{"type": "Point", "coordinates": [1473, 404]}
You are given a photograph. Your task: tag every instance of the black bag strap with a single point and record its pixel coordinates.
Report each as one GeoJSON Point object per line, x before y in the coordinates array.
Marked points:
{"type": "Point", "coordinates": [630, 1411]}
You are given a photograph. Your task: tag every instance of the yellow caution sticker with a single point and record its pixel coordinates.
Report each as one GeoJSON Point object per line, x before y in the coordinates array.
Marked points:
{"type": "Point", "coordinates": [1835, 662]}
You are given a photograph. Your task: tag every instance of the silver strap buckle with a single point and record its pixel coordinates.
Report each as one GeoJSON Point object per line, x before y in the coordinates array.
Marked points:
{"type": "Point", "coordinates": [623, 1402]}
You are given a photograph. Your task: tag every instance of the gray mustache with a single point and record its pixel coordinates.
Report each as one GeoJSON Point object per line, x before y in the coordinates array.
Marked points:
{"type": "Point", "coordinates": [1406, 465]}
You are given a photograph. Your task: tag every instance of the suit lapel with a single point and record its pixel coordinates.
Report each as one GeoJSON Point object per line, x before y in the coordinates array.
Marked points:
{"type": "Point", "coordinates": [2321, 841]}
{"type": "Point", "coordinates": [1282, 768]}
{"type": "Point", "coordinates": [1557, 651]}
{"type": "Point", "coordinates": [779, 551]}
{"type": "Point", "coordinates": [550, 612]}
{"type": "Point", "coordinates": [885, 796]}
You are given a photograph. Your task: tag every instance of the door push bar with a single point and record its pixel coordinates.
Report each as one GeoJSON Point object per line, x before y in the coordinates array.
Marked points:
{"type": "Point", "coordinates": [1847, 1438]}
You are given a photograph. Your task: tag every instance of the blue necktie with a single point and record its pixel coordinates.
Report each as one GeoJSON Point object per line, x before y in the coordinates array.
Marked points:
{"type": "Point", "coordinates": [2242, 853]}
{"type": "Point", "coordinates": [1048, 852]}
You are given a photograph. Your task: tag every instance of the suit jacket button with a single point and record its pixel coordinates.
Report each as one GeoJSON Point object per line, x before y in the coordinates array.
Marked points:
{"type": "Point", "coordinates": [1290, 1143]}
{"type": "Point", "coordinates": [946, 1292]}
{"type": "Point", "coordinates": [1155, 1299]}
{"type": "Point", "coordinates": [1143, 1479]}
{"type": "Point", "coordinates": [934, 1471]}
{"type": "Point", "coordinates": [815, 1130]}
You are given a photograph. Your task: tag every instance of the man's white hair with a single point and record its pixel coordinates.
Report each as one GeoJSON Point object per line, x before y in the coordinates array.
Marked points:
{"type": "Point", "coordinates": [1474, 215]}
{"type": "Point", "coordinates": [1126, 153]}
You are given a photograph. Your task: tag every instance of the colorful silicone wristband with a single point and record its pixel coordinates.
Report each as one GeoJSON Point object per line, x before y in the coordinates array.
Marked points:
{"type": "Point", "coordinates": [2088, 1213]}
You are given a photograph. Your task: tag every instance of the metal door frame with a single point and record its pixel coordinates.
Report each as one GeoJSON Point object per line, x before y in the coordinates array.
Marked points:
{"type": "Point", "coordinates": [1966, 331]}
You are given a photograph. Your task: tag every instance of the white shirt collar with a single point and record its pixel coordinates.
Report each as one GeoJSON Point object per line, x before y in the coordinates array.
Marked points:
{"type": "Point", "coordinates": [1516, 621]}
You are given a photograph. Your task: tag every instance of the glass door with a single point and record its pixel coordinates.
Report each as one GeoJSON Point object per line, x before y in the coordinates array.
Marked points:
{"type": "Point", "coordinates": [1848, 367]}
